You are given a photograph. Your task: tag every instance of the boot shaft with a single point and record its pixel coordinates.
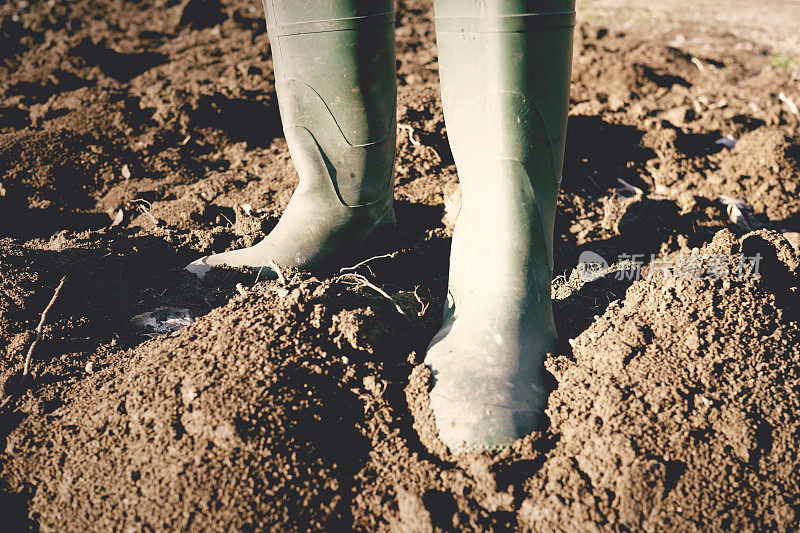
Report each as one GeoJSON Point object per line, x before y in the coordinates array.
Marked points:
{"type": "Point", "coordinates": [505, 74]}
{"type": "Point", "coordinates": [334, 68]}
{"type": "Point", "coordinates": [324, 15]}
{"type": "Point", "coordinates": [521, 52]}
{"type": "Point", "coordinates": [487, 9]}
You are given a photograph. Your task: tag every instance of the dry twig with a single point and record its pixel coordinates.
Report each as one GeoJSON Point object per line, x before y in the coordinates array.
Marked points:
{"type": "Point", "coordinates": [226, 218]}
{"type": "Point", "coordinates": [277, 268]}
{"type": "Point", "coordinates": [410, 130]}
{"type": "Point", "coordinates": [421, 303]}
{"type": "Point", "coordinates": [146, 210]}
{"type": "Point", "coordinates": [361, 281]}
{"type": "Point", "coordinates": [633, 188]}
{"type": "Point", "coordinates": [365, 261]}
{"type": "Point", "coordinates": [40, 327]}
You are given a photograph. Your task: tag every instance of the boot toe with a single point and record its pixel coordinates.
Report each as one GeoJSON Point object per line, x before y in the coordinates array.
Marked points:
{"type": "Point", "coordinates": [199, 267]}
{"type": "Point", "coordinates": [469, 426]}
{"type": "Point", "coordinates": [484, 396]}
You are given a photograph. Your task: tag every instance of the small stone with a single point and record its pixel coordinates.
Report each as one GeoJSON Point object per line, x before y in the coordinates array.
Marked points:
{"type": "Point", "coordinates": [727, 142]}
{"type": "Point", "coordinates": [679, 116]}
{"type": "Point", "coordinates": [188, 394]}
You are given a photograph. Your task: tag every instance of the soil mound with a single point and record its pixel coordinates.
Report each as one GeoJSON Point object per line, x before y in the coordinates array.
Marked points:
{"type": "Point", "coordinates": [675, 401]}
{"type": "Point", "coordinates": [678, 409]}
{"type": "Point", "coordinates": [284, 409]}
{"type": "Point", "coordinates": [253, 417]}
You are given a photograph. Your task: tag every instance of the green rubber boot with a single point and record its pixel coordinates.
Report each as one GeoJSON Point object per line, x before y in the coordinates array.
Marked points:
{"type": "Point", "coordinates": [505, 74]}
{"type": "Point", "coordinates": [335, 78]}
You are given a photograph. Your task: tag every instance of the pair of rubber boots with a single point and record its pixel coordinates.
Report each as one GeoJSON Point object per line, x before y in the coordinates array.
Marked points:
{"type": "Point", "coordinates": [505, 73]}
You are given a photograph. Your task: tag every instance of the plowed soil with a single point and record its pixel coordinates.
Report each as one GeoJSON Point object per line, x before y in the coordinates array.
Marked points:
{"type": "Point", "coordinates": [302, 403]}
